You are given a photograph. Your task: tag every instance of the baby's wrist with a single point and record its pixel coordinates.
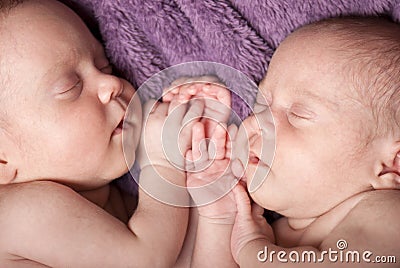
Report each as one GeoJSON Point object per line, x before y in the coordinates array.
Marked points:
{"type": "Point", "coordinates": [167, 172]}
{"type": "Point", "coordinates": [167, 186]}
{"type": "Point", "coordinates": [220, 219]}
{"type": "Point", "coordinates": [249, 250]}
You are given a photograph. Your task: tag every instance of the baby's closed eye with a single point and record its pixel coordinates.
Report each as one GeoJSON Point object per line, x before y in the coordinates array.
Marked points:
{"type": "Point", "coordinates": [107, 69]}
{"type": "Point", "coordinates": [71, 86]}
{"type": "Point", "coordinates": [300, 112]}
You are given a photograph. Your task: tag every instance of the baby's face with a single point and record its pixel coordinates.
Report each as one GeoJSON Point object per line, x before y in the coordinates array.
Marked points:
{"type": "Point", "coordinates": [64, 107]}
{"type": "Point", "coordinates": [320, 157]}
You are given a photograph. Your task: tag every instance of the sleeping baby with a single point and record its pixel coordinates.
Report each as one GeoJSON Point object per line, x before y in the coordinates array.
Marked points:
{"type": "Point", "coordinates": [329, 106]}
{"type": "Point", "coordinates": [61, 124]}
{"type": "Point", "coordinates": [333, 90]}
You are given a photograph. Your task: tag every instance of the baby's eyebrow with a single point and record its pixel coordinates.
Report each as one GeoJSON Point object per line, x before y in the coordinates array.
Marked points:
{"type": "Point", "coordinates": [331, 105]}
{"type": "Point", "coordinates": [264, 96]}
{"type": "Point", "coordinates": [58, 66]}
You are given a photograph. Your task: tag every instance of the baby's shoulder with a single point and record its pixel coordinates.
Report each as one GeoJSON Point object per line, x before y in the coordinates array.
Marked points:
{"type": "Point", "coordinates": [24, 206]}
{"type": "Point", "coordinates": [376, 217]}
{"type": "Point", "coordinates": [15, 195]}
{"type": "Point", "coordinates": [375, 209]}
{"type": "Point", "coordinates": [26, 195]}
{"type": "Point", "coordinates": [28, 211]}
{"type": "Point", "coordinates": [25, 199]}
{"type": "Point", "coordinates": [380, 204]}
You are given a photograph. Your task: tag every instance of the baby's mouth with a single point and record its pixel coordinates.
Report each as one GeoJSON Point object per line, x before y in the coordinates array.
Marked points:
{"type": "Point", "coordinates": [254, 160]}
{"type": "Point", "coordinates": [118, 129]}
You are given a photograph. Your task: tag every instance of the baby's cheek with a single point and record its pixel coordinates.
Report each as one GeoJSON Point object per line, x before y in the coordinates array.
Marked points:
{"type": "Point", "coordinates": [249, 172]}
{"type": "Point", "coordinates": [132, 129]}
{"type": "Point", "coordinates": [130, 144]}
{"type": "Point", "coordinates": [259, 196]}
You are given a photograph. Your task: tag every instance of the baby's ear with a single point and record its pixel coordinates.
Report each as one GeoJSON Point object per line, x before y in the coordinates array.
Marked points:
{"type": "Point", "coordinates": [7, 171]}
{"type": "Point", "coordinates": [389, 177]}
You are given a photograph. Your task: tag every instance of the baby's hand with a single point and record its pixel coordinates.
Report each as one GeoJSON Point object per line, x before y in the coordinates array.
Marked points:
{"type": "Point", "coordinates": [249, 224]}
{"type": "Point", "coordinates": [165, 134]}
{"type": "Point", "coordinates": [217, 98]}
{"type": "Point", "coordinates": [209, 177]}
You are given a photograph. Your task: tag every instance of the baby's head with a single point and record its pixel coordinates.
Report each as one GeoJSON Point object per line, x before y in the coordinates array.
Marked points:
{"type": "Point", "coordinates": [61, 107]}
{"type": "Point", "coordinates": [334, 92]}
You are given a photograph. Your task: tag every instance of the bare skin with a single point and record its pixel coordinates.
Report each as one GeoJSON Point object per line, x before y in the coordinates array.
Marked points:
{"type": "Point", "coordinates": [327, 181]}
{"type": "Point", "coordinates": [62, 147]}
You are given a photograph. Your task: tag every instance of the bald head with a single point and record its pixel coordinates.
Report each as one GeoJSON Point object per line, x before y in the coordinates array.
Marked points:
{"type": "Point", "coordinates": [367, 50]}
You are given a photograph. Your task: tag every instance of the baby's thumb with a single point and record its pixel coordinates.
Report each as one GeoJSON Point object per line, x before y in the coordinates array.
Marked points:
{"type": "Point", "coordinates": [237, 168]}
{"type": "Point", "coordinates": [257, 211]}
{"type": "Point", "coordinates": [242, 201]}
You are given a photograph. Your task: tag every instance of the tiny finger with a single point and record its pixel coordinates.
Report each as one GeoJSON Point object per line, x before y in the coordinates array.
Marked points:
{"type": "Point", "coordinates": [256, 210]}
{"type": "Point", "coordinates": [242, 201]}
{"type": "Point", "coordinates": [217, 143]}
{"type": "Point", "coordinates": [194, 112]}
{"type": "Point", "coordinates": [175, 104]}
{"type": "Point", "coordinates": [184, 93]}
{"type": "Point", "coordinates": [168, 95]}
{"type": "Point", "coordinates": [224, 96]}
{"type": "Point", "coordinates": [198, 137]}
{"type": "Point", "coordinates": [232, 131]}
{"type": "Point", "coordinates": [161, 108]}
{"type": "Point", "coordinates": [149, 107]}
{"type": "Point", "coordinates": [189, 161]}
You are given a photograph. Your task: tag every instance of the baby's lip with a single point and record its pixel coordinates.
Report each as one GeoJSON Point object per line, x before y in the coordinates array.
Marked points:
{"type": "Point", "coordinates": [118, 129]}
{"type": "Point", "coordinates": [253, 159]}
{"type": "Point", "coordinates": [256, 160]}
{"type": "Point", "coordinates": [123, 124]}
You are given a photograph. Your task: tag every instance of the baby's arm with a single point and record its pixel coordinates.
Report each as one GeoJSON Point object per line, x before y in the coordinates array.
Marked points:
{"type": "Point", "coordinates": [48, 224]}
{"type": "Point", "coordinates": [164, 178]}
{"type": "Point", "coordinates": [212, 238]}
{"type": "Point", "coordinates": [372, 225]}
{"type": "Point", "coordinates": [210, 181]}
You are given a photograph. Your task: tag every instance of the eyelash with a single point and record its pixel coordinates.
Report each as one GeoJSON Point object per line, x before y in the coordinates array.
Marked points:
{"type": "Point", "coordinates": [78, 85]}
{"type": "Point", "coordinates": [107, 69]}
{"type": "Point", "coordinates": [292, 114]}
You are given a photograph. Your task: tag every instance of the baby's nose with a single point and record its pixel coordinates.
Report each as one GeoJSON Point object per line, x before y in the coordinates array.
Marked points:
{"type": "Point", "coordinates": [109, 87]}
{"type": "Point", "coordinates": [247, 135]}
{"type": "Point", "coordinates": [252, 128]}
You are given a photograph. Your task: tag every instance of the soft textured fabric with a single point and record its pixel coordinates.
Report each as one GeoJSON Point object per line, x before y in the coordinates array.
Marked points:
{"type": "Point", "coordinates": [143, 37]}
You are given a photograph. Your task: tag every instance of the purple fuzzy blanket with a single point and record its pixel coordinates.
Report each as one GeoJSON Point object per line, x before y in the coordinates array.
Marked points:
{"type": "Point", "coordinates": [143, 37]}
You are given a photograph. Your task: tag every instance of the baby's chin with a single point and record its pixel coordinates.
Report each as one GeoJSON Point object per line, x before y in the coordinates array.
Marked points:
{"type": "Point", "coordinates": [115, 170]}
{"type": "Point", "coordinates": [123, 169]}
{"type": "Point", "coordinates": [86, 185]}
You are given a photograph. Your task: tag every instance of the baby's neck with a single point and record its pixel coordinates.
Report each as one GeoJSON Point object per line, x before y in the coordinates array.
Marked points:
{"type": "Point", "coordinates": [311, 231]}
{"type": "Point", "coordinates": [299, 224]}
